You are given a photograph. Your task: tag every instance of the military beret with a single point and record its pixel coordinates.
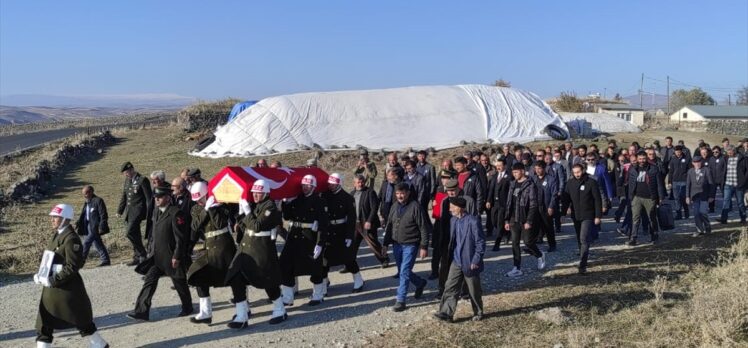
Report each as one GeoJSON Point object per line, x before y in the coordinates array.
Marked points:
{"type": "Point", "coordinates": [451, 185]}
{"type": "Point", "coordinates": [126, 166]}
{"type": "Point", "coordinates": [696, 159]}
{"type": "Point", "coordinates": [458, 201]}
{"type": "Point", "coordinates": [193, 172]}
{"type": "Point", "coordinates": [162, 190]}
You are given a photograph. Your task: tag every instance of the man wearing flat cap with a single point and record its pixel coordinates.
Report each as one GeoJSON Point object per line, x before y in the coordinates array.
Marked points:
{"type": "Point", "coordinates": [467, 245]}
{"type": "Point", "coordinates": [699, 192]}
{"type": "Point", "coordinates": [134, 205]}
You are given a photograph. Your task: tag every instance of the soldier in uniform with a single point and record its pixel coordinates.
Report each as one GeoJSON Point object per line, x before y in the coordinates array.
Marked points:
{"type": "Point", "coordinates": [210, 222]}
{"type": "Point", "coordinates": [366, 168]}
{"type": "Point", "coordinates": [341, 213]}
{"type": "Point", "coordinates": [134, 205]}
{"type": "Point", "coordinates": [256, 262]}
{"type": "Point", "coordinates": [170, 256]}
{"type": "Point", "coordinates": [307, 233]}
{"type": "Point", "coordinates": [64, 301]}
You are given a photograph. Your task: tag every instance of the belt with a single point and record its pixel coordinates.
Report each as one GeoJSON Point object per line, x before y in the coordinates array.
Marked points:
{"type": "Point", "coordinates": [339, 221]}
{"type": "Point", "coordinates": [259, 234]}
{"type": "Point", "coordinates": [216, 233]}
{"type": "Point", "coordinates": [301, 224]}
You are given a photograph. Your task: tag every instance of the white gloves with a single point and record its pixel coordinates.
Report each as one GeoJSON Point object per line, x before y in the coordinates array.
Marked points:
{"type": "Point", "coordinates": [244, 207]}
{"type": "Point", "coordinates": [317, 251]}
{"type": "Point", "coordinates": [210, 202]}
{"type": "Point", "coordinates": [348, 243]}
{"type": "Point", "coordinates": [315, 225]}
{"type": "Point", "coordinates": [274, 233]}
{"type": "Point", "coordinates": [42, 281]}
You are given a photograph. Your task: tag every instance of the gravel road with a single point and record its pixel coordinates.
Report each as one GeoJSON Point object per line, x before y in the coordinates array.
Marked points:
{"type": "Point", "coordinates": [343, 320]}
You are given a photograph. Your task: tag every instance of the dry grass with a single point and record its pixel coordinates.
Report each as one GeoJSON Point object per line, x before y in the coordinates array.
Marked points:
{"type": "Point", "coordinates": [683, 293]}
{"type": "Point", "coordinates": [23, 229]}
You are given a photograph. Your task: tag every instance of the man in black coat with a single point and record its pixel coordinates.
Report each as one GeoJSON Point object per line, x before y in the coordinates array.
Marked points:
{"type": "Point", "coordinates": [645, 192]}
{"type": "Point", "coordinates": [718, 166]}
{"type": "Point", "coordinates": [393, 176]}
{"type": "Point", "coordinates": [341, 214]}
{"type": "Point", "coordinates": [428, 171]}
{"type": "Point", "coordinates": [520, 216]}
{"type": "Point", "coordinates": [134, 205]}
{"type": "Point", "coordinates": [367, 221]}
{"type": "Point", "coordinates": [93, 223]}
{"type": "Point", "coordinates": [678, 168]}
{"type": "Point", "coordinates": [469, 182]}
{"type": "Point", "coordinates": [498, 192]}
{"type": "Point", "coordinates": [170, 256]}
{"type": "Point", "coordinates": [582, 195]}
{"type": "Point", "coordinates": [417, 182]}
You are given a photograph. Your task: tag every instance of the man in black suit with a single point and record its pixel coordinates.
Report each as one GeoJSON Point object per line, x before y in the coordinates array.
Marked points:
{"type": "Point", "coordinates": [170, 256]}
{"type": "Point", "coordinates": [93, 223]}
{"type": "Point", "coordinates": [367, 220]}
{"type": "Point", "coordinates": [498, 192]}
{"type": "Point", "coordinates": [134, 205]}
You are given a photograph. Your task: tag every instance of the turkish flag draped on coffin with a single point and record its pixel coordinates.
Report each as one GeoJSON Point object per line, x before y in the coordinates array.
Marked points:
{"type": "Point", "coordinates": [233, 184]}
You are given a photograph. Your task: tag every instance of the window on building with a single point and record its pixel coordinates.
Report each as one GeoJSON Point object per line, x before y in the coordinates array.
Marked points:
{"type": "Point", "coordinates": [685, 115]}
{"type": "Point", "coordinates": [628, 117]}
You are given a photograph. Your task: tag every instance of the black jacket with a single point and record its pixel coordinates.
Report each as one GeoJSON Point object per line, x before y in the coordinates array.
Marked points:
{"type": "Point", "coordinates": [408, 224]}
{"type": "Point", "coordinates": [718, 166]}
{"type": "Point", "coordinates": [527, 209]}
{"type": "Point", "coordinates": [368, 207]}
{"type": "Point", "coordinates": [583, 196]}
{"type": "Point", "coordinates": [652, 178]}
{"type": "Point", "coordinates": [473, 188]}
{"type": "Point", "coordinates": [429, 175]}
{"type": "Point", "coordinates": [97, 213]}
{"type": "Point", "coordinates": [170, 240]}
{"type": "Point", "coordinates": [743, 171]}
{"type": "Point", "coordinates": [420, 190]}
{"type": "Point", "coordinates": [678, 169]}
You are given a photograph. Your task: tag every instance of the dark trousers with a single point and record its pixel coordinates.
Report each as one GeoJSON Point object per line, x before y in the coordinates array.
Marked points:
{"type": "Point", "coordinates": [93, 238]}
{"type": "Point", "coordinates": [643, 206]}
{"type": "Point", "coordinates": [622, 207]}
{"type": "Point", "coordinates": [351, 265]}
{"type": "Point", "coordinates": [288, 277]}
{"type": "Point", "coordinates": [143, 304]}
{"type": "Point", "coordinates": [372, 234]}
{"type": "Point", "coordinates": [700, 215]}
{"type": "Point", "coordinates": [556, 222]}
{"type": "Point", "coordinates": [529, 237]}
{"type": "Point", "coordinates": [583, 228]}
{"type": "Point", "coordinates": [545, 228]}
{"type": "Point", "coordinates": [45, 334]}
{"type": "Point", "coordinates": [456, 281]}
{"type": "Point", "coordinates": [239, 290]}
{"type": "Point", "coordinates": [135, 238]}
{"type": "Point", "coordinates": [679, 191]}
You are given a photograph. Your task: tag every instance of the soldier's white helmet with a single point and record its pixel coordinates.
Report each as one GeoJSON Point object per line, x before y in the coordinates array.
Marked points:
{"type": "Point", "coordinates": [198, 190]}
{"type": "Point", "coordinates": [309, 180]}
{"type": "Point", "coordinates": [335, 179]}
{"type": "Point", "coordinates": [260, 186]}
{"type": "Point", "coordinates": [64, 211]}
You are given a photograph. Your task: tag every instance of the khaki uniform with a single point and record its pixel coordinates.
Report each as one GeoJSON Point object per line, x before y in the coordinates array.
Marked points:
{"type": "Point", "coordinates": [134, 205]}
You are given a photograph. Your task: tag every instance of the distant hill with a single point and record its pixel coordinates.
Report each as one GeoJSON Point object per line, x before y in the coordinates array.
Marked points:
{"type": "Point", "coordinates": [99, 101]}
{"type": "Point", "coordinates": [29, 114]}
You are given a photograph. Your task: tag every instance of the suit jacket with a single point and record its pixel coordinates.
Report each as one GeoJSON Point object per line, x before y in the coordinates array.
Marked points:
{"type": "Point", "coordinates": [700, 187]}
{"type": "Point", "coordinates": [136, 198]}
{"type": "Point", "coordinates": [420, 193]}
{"type": "Point", "coordinates": [429, 174]}
{"type": "Point", "coordinates": [98, 217]}
{"type": "Point", "coordinates": [470, 241]}
{"type": "Point", "coordinates": [718, 166]}
{"type": "Point", "coordinates": [170, 239]}
{"type": "Point", "coordinates": [368, 207]}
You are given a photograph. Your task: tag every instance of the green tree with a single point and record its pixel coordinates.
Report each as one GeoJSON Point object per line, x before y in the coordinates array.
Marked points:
{"type": "Point", "coordinates": [696, 96]}
{"type": "Point", "coordinates": [742, 96]}
{"type": "Point", "coordinates": [618, 98]}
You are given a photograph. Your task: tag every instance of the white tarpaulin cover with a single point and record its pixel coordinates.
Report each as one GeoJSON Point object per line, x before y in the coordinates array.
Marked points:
{"type": "Point", "coordinates": [602, 122]}
{"type": "Point", "coordinates": [418, 117]}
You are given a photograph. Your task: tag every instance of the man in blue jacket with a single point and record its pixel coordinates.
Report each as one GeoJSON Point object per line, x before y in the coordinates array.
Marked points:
{"type": "Point", "coordinates": [467, 245]}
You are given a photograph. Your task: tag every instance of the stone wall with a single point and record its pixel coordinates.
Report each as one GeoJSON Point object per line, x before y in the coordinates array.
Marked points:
{"type": "Point", "coordinates": [32, 187]}
{"type": "Point", "coordinates": [205, 116]}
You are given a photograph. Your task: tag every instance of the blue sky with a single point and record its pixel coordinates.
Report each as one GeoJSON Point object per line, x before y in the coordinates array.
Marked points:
{"type": "Point", "coordinates": [215, 49]}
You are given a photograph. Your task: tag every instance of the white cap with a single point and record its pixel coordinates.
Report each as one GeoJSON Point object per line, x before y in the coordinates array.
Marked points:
{"type": "Point", "coordinates": [335, 179]}
{"type": "Point", "coordinates": [260, 186]}
{"type": "Point", "coordinates": [309, 180]}
{"type": "Point", "coordinates": [62, 210]}
{"type": "Point", "coordinates": [198, 190]}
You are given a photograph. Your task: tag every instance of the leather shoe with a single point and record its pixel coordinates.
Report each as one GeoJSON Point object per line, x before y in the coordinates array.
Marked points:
{"type": "Point", "coordinates": [443, 317]}
{"type": "Point", "coordinates": [419, 291]}
{"type": "Point", "coordinates": [138, 316]}
{"type": "Point", "coordinates": [185, 312]}
{"type": "Point", "coordinates": [398, 307]}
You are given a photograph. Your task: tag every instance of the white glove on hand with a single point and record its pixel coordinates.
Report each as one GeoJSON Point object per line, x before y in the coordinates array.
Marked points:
{"type": "Point", "coordinates": [348, 243]}
{"type": "Point", "coordinates": [315, 225]}
{"type": "Point", "coordinates": [244, 207]}
{"type": "Point", "coordinates": [317, 251]}
{"type": "Point", "coordinates": [274, 233]}
{"type": "Point", "coordinates": [36, 279]}
{"type": "Point", "coordinates": [45, 281]}
{"type": "Point", "coordinates": [210, 202]}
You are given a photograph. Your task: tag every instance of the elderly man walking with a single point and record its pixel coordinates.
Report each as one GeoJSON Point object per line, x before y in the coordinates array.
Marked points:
{"type": "Point", "coordinates": [467, 245]}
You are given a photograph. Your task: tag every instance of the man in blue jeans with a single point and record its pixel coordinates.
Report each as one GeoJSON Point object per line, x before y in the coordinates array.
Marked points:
{"type": "Point", "coordinates": [408, 230]}
{"type": "Point", "coordinates": [736, 183]}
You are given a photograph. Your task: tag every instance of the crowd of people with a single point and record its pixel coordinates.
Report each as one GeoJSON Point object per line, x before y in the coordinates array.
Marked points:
{"type": "Point", "coordinates": [518, 196]}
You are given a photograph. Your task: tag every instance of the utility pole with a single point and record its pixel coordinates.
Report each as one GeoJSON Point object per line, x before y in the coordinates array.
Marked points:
{"type": "Point", "coordinates": [729, 99]}
{"type": "Point", "coordinates": [641, 98]}
{"type": "Point", "coordinates": [668, 95]}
